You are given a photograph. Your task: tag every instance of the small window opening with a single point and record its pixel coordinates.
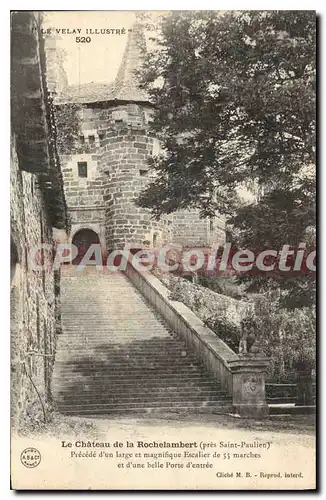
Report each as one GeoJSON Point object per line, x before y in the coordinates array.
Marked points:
{"type": "Point", "coordinates": [143, 172]}
{"type": "Point", "coordinates": [82, 169]}
{"type": "Point", "coordinates": [91, 139]}
{"type": "Point", "coordinates": [82, 139]}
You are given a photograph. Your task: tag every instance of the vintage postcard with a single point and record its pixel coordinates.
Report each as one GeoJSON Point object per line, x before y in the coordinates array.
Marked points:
{"type": "Point", "coordinates": [163, 234]}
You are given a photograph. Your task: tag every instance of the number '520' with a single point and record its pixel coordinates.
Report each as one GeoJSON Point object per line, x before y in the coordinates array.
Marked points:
{"type": "Point", "coordinates": [83, 39]}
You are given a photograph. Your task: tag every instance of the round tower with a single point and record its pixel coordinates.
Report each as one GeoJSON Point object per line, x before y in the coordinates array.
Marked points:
{"type": "Point", "coordinates": [126, 148]}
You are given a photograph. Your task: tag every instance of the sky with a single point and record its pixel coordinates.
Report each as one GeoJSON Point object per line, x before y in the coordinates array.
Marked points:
{"type": "Point", "coordinates": [98, 60]}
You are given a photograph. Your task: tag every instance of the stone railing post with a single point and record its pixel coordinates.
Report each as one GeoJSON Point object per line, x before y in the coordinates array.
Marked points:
{"type": "Point", "coordinates": [248, 381]}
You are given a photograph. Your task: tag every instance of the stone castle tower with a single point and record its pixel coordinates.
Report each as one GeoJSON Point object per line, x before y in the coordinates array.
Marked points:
{"type": "Point", "coordinates": [108, 167]}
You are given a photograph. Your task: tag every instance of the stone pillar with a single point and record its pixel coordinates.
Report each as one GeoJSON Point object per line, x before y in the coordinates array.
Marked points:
{"type": "Point", "coordinates": [248, 376]}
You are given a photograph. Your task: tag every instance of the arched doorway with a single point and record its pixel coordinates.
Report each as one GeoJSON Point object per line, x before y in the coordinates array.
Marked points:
{"type": "Point", "coordinates": [83, 239]}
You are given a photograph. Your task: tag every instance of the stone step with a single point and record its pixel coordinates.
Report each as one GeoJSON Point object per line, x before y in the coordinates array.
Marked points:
{"type": "Point", "coordinates": [116, 277]}
{"type": "Point", "coordinates": [141, 311]}
{"type": "Point", "coordinates": [91, 288]}
{"type": "Point", "coordinates": [78, 333]}
{"type": "Point", "coordinates": [127, 386]}
{"type": "Point", "coordinates": [108, 391]}
{"type": "Point", "coordinates": [112, 338]}
{"type": "Point", "coordinates": [153, 340]}
{"type": "Point", "coordinates": [90, 358]}
{"type": "Point", "coordinates": [109, 326]}
{"type": "Point", "coordinates": [130, 352]}
{"type": "Point", "coordinates": [137, 359]}
{"type": "Point", "coordinates": [141, 373]}
{"type": "Point", "coordinates": [107, 314]}
{"type": "Point", "coordinates": [106, 322]}
{"type": "Point", "coordinates": [142, 400]}
{"type": "Point", "coordinates": [104, 346]}
{"type": "Point", "coordinates": [171, 342]}
{"type": "Point", "coordinates": [100, 296]}
{"type": "Point", "coordinates": [149, 411]}
{"type": "Point", "coordinates": [103, 293]}
{"type": "Point", "coordinates": [124, 371]}
{"type": "Point", "coordinates": [109, 319]}
{"type": "Point", "coordinates": [94, 329]}
{"type": "Point", "coordinates": [116, 378]}
{"type": "Point", "coordinates": [194, 384]}
{"type": "Point", "coordinates": [139, 354]}
{"type": "Point", "coordinates": [106, 367]}
{"type": "Point", "coordinates": [138, 371]}
{"type": "Point", "coordinates": [136, 404]}
{"type": "Point", "coordinates": [111, 364]}
{"type": "Point", "coordinates": [109, 339]}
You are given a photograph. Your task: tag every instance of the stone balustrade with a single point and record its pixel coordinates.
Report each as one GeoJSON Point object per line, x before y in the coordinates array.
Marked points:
{"type": "Point", "coordinates": [241, 375]}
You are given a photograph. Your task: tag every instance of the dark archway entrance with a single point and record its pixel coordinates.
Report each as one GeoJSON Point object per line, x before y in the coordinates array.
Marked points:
{"type": "Point", "coordinates": [83, 239]}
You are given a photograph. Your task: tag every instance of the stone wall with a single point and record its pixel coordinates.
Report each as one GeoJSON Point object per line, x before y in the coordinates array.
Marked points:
{"type": "Point", "coordinates": [191, 231]}
{"type": "Point", "coordinates": [33, 300]}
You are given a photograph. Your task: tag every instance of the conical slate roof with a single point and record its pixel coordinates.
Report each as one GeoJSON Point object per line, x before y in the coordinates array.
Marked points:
{"type": "Point", "coordinates": [125, 87]}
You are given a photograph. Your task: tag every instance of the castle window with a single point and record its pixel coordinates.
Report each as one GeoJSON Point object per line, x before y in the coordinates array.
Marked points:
{"type": "Point", "coordinates": [82, 169]}
{"type": "Point", "coordinates": [91, 139]}
{"type": "Point", "coordinates": [82, 139]}
{"type": "Point", "coordinates": [143, 172]}
{"type": "Point", "coordinates": [156, 147]}
{"type": "Point", "coordinates": [119, 116]}
{"type": "Point", "coordinates": [148, 116]}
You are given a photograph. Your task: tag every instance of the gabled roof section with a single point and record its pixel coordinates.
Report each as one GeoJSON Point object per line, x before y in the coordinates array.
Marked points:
{"type": "Point", "coordinates": [125, 88]}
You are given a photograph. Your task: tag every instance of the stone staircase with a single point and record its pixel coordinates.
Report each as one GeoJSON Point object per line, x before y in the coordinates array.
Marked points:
{"type": "Point", "coordinates": [116, 356]}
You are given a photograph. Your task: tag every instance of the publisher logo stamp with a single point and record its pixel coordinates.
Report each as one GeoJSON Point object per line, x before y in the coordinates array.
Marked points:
{"type": "Point", "coordinates": [30, 457]}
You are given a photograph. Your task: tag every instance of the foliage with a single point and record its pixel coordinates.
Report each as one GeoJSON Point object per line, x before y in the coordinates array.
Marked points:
{"type": "Point", "coordinates": [32, 423]}
{"type": "Point", "coordinates": [225, 285]}
{"type": "Point", "coordinates": [68, 127]}
{"type": "Point", "coordinates": [235, 106]}
{"type": "Point", "coordinates": [214, 315]}
{"type": "Point", "coordinates": [287, 337]}
{"type": "Point", "coordinates": [227, 331]}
